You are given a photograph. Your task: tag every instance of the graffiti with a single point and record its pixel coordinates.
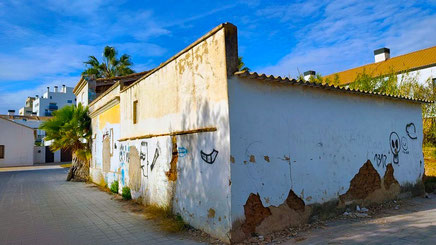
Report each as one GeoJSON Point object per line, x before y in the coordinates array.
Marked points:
{"type": "Point", "coordinates": [124, 154]}
{"type": "Point", "coordinates": [123, 174]}
{"type": "Point", "coordinates": [380, 159]}
{"type": "Point", "coordinates": [143, 151]}
{"type": "Point", "coordinates": [394, 142]}
{"type": "Point", "coordinates": [155, 157]}
{"type": "Point", "coordinates": [182, 151]}
{"type": "Point", "coordinates": [411, 131]}
{"type": "Point", "coordinates": [209, 158]}
{"type": "Point", "coordinates": [404, 146]}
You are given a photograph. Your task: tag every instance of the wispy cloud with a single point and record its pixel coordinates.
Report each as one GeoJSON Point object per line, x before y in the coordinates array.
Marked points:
{"type": "Point", "coordinates": [346, 32]}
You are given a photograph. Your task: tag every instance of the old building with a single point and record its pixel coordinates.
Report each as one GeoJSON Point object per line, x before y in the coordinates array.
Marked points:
{"type": "Point", "coordinates": [16, 144]}
{"type": "Point", "coordinates": [236, 153]}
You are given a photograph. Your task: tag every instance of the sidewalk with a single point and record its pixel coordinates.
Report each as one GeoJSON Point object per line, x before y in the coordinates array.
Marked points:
{"type": "Point", "coordinates": [28, 168]}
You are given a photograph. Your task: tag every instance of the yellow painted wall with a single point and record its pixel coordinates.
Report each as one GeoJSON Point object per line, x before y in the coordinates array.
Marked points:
{"type": "Point", "coordinates": [111, 116]}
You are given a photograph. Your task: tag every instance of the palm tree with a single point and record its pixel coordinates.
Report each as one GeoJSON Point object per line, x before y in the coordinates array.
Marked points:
{"type": "Point", "coordinates": [241, 65]}
{"type": "Point", "coordinates": [110, 66]}
{"type": "Point", "coordinates": [70, 129]}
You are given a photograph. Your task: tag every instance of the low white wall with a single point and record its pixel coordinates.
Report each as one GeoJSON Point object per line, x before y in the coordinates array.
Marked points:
{"type": "Point", "coordinates": [18, 141]}
{"type": "Point", "coordinates": [39, 154]}
{"type": "Point", "coordinates": [314, 141]}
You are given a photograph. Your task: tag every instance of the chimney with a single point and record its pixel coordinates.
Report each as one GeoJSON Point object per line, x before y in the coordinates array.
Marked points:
{"type": "Point", "coordinates": [37, 96]}
{"type": "Point", "coordinates": [11, 112]}
{"type": "Point", "coordinates": [64, 88]}
{"type": "Point", "coordinates": [55, 89]}
{"type": "Point", "coordinates": [48, 89]}
{"type": "Point", "coordinates": [382, 54]}
{"type": "Point", "coordinates": [308, 74]}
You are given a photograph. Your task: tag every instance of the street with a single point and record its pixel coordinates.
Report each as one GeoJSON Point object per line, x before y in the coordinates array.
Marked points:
{"type": "Point", "coordinates": [40, 207]}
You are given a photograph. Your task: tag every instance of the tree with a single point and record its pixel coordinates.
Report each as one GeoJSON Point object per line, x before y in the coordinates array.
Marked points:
{"type": "Point", "coordinates": [241, 65]}
{"type": "Point", "coordinates": [110, 66]}
{"type": "Point", "coordinates": [70, 129]}
{"type": "Point", "coordinates": [409, 86]}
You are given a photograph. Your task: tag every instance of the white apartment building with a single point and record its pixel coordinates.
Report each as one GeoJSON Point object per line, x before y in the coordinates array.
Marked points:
{"type": "Point", "coordinates": [53, 100]}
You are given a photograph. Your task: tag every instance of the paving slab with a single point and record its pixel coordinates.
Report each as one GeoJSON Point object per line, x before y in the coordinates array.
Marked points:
{"type": "Point", "coordinates": [40, 207]}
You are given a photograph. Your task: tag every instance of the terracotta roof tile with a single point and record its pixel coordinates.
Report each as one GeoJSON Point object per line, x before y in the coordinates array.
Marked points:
{"type": "Point", "coordinates": [407, 62]}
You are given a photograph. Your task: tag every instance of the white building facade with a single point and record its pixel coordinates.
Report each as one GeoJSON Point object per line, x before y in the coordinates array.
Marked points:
{"type": "Point", "coordinates": [53, 100]}
{"type": "Point", "coordinates": [16, 144]}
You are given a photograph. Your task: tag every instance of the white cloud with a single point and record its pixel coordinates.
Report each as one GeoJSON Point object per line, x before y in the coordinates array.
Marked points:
{"type": "Point", "coordinates": [42, 61]}
{"type": "Point", "coordinates": [347, 32]}
{"type": "Point", "coordinates": [16, 99]}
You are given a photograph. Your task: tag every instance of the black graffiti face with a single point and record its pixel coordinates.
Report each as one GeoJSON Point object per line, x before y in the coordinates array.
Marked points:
{"type": "Point", "coordinates": [411, 131]}
{"type": "Point", "coordinates": [209, 158]}
{"type": "Point", "coordinates": [395, 144]}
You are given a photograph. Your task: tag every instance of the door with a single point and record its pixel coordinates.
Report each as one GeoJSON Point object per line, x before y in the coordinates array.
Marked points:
{"type": "Point", "coordinates": [49, 155]}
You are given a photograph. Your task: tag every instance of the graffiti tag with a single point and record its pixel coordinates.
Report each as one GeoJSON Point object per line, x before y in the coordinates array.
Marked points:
{"type": "Point", "coordinates": [182, 151]}
{"type": "Point", "coordinates": [380, 159]}
{"type": "Point", "coordinates": [209, 158]}
{"type": "Point", "coordinates": [394, 142]}
{"type": "Point", "coordinates": [411, 131]}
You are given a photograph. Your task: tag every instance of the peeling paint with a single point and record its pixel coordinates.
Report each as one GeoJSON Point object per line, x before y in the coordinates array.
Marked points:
{"type": "Point", "coordinates": [211, 213]}
{"type": "Point", "coordinates": [172, 173]}
{"type": "Point", "coordinates": [266, 158]}
{"type": "Point", "coordinates": [252, 159]}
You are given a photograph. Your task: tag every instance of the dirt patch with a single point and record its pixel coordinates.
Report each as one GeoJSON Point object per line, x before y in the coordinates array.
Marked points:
{"type": "Point", "coordinates": [389, 178]}
{"type": "Point", "coordinates": [255, 213]}
{"type": "Point", "coordinates": [295, 202]}
{"type": "Point", "coordinates": [292, 212]}
{"type": "Point", "coordinates": [134, 169]}
{"type": "Point", "coordinates": [106, 154]}
{"type": "Point", "coordinates": [366, 181]}
{"type": "Point", "coordinates": [252, 158]}
{"type": "Point", "coordinates": [263, 220]}
{"type": "Point", "coordinates": [266, 158]}
{"type": "Point", "coordinates": [172, 173]}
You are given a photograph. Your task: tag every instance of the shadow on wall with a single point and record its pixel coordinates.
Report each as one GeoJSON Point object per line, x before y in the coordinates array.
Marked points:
{"type": "Point", "coordinates": [203, 171]}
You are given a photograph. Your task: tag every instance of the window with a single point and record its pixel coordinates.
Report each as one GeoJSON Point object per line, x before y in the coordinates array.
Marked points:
{"type": "Point", "coordinates": [135, 111]}
{"type": "Point", "coordinates": [2, 151]}
{"type": "Point", "coordinates": [69, 101]}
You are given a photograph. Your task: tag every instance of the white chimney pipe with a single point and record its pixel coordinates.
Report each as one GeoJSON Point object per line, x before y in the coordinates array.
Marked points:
{"type": "Point", "coordinates": [11, 112]}
{"type": "Point", "coordinates": [382, 54]}
{"type": "Point", "coordinates": [55, 89]}
{"type": "Point", "coordinates": [48, 89]}
{"type": "Point", "coordinates": [308, 74]}
{"type": "Point", "coordinates": [64, 88]}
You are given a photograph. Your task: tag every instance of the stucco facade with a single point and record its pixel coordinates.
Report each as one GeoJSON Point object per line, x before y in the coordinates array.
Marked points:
{"type": "Point", "coordinates": [235, 153]}
{"type": "Point", "coordinates": [17, 142]}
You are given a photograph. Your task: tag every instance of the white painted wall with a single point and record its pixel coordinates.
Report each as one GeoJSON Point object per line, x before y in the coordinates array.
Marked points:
{"type": "Point", "coordinates": [327, 136]}
{"type": "Point", "coordinates": [39, 154]}
{"type": "Point", "coordinates": [18, 141]}
{"type": "Point", "coordinates": [422, 75]}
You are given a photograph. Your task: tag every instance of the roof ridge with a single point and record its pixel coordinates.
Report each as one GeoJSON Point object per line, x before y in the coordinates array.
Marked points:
{"type": "Point", "coordinates": [262, 76]}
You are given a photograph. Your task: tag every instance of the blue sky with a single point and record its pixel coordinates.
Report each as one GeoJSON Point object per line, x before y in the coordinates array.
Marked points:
{"type": "Point", "coordinates": [44, 43]}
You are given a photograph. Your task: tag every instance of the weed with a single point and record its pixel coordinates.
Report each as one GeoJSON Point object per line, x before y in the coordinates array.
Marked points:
{"type": "Point", "coordinates": [166, 220]}
{"type": "Point", "coordinates": [114, 187]}
{"type": "Point", "coordinates": [125, 193]}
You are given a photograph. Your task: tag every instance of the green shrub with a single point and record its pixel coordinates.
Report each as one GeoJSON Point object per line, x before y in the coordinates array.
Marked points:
{"type": "Point", "coordinates": [114, 186]}
{"type": "Point", "coordinates": [125, 193]}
